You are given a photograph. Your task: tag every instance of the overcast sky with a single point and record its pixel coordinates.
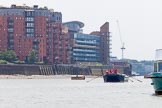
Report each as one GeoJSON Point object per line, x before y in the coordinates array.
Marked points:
{"type": "Point", "coordinates": [140, 21]}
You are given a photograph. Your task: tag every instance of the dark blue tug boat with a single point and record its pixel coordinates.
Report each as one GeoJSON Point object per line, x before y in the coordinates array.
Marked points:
{"type": "Point", "coordinates": [113, 76]}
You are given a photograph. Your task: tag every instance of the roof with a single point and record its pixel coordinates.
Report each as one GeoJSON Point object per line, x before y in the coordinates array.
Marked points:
{"type": "Point", "coordinates": [81, 25]}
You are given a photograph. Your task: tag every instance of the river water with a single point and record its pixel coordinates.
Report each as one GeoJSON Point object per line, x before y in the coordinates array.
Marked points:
{"type": "Point", "coordinates": [67, 93]}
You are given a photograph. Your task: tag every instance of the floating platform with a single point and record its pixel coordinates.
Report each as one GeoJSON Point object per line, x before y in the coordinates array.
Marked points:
{"type": "Point", "coordinates": [78, 77]}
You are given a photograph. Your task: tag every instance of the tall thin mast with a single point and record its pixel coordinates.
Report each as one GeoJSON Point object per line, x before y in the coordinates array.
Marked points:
{"type": "Point", "coordinates": [122, 48]}
{"type": "Point", "coordinates": [122, 44]}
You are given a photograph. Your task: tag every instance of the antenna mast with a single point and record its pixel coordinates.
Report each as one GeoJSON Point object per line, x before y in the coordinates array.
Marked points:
{"type": "Point", "coordinates": [122, 44]}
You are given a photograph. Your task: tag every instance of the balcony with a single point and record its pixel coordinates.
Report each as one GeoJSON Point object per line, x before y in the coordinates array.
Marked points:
{"type": "Point", "coordinates": [55, 37]}
{"type": "Point", "coordinates": [10, 30]}
{"type": "Point", "coordinates": [35, 47]}
{"type": "Point", "coordinates": [61, 38]}
{"type": "Point", "coordinates": [10, 26]}
{"type": "Point", "coordinates": [56, 56]}
{"type": "Point", "coordinates": [55, 42]}
{"type": "Point", "coordinates": [10, 19]}
{"type": "Point", "coordinates": [67, 39]}
{"type": "Point", "coordinates": [54, 26]}
{"type": "Point", "coordinates": [35, 42]}
{"type": "Point", "coordinates": [67, 44]}
{"type": "Point", "coordinates": [11, 37]}
{"type": "Point", "coordinates": [11, 47]}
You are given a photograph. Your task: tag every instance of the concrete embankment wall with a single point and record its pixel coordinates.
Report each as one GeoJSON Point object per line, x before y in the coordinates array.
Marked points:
{"type": "Point", "coordinates": [72, 70]}
{"type": "Point", "coordinates": [19, 69]}
{"type": "Point", "coordinates": [6, 69]}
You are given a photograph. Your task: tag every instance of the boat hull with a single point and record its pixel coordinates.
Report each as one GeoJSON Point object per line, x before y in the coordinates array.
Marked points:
{"type": "Point", "coordinates": [156, 76]}
{"type": "Point", "coordinates": [157, 82]}
{"type": "Point", "coordinates": [113, 78]}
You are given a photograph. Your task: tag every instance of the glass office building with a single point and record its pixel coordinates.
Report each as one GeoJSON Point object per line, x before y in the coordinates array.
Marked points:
{"type": "Point", "coordinates": [93, 47]}
{"type": "Point", "coordinates": [85, 48]}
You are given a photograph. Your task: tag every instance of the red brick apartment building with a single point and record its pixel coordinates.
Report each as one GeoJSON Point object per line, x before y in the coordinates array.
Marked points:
{"type": "Point", "coordinates": [24, 28]}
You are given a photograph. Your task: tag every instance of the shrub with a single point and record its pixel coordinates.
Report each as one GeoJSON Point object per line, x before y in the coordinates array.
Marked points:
{"type": "Point", "coordinates": [3, 62]}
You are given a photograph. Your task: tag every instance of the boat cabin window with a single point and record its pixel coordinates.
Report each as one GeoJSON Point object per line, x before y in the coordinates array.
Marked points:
{"type": "Point", "coordinates": [159, 67]}
{"type": "Point", "coordinates": [155, 67]}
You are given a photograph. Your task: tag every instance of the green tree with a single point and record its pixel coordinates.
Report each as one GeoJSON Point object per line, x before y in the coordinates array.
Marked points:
{"type": "Point", "coordinates": [32, 56]}
{"type": "Point", "coordinates": [45, 7]}
{"type": "Point", "coordinates": [8, 55]}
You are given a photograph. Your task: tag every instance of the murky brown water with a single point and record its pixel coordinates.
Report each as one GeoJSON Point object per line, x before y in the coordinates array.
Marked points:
{"type": "Point", "coordinates": [61, 93]}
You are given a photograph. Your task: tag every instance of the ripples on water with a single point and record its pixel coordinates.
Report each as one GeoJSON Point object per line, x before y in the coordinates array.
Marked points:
{"type": "Point", "coordinates": [61, 93]}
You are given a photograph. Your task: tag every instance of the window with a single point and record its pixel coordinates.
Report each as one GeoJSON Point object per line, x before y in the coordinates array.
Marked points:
{"type": "Point", "coordinates": [30, 25]}
{"type": "Point", "coordinates": [29, 19]}
{"type": "Point", "coordinates": [30, 30]}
